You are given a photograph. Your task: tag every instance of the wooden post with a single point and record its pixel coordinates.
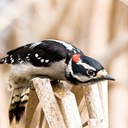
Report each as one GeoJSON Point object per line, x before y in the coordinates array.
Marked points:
{"type": "Point", "coordinates": [31, 107]}
{"type": "Point", "coordinates": [48, 102]}
{"type": "Point", "coordinates": [103, 89]}
{"type": "Point", "coordinates": [68, 106]}
{"type": "Point", "coordinates": [62, 111]}
{"type": "Point", "coordinates": [94, 106]}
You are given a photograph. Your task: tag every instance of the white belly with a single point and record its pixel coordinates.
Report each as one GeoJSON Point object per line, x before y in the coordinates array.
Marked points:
{"type": "Point", "coordinates": [55, 71]}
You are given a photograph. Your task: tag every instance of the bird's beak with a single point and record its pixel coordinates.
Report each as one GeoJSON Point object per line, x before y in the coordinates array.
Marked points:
{"type": "Point", "coordinates": [103, 75]}
{"type": "Point", "coordinates": [107, 77]}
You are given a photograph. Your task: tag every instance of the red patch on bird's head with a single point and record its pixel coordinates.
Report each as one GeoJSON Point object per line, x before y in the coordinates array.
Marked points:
{"type": "Point", "coordinates": [76, 58]}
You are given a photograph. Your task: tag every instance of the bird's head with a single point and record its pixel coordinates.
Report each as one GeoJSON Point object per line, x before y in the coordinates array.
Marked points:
{"type": "Point", "coordinates": [86, 70]}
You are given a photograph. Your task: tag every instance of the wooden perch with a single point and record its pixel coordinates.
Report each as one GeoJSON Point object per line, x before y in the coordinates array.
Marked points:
{"type": "Point", "coordinates": [41, 122]}
{"type": "Point", "coordinates": [66, 100]}
{"type": "Point", "coordinates": [48, 103]}
{"type": "Point", "coordinates": [60, 107]}
{"type": "Point", "coordinates": [94, 107]}
{"type": "Point", "coordinates": [103, 89]}
{"type": "Point", "coordinates": [31, 107]}
{"type": "Point", "coordinates": [68, 106]}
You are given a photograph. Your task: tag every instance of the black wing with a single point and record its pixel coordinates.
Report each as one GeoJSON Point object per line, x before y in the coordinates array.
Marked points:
{"type": "Point", "coordinates": [42, 53]}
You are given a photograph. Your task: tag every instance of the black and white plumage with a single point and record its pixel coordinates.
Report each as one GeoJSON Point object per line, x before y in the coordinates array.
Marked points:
{"type": "Point", "coordinates": [54, 59]}
{"type": "Point", "coordinates": [41, 53]}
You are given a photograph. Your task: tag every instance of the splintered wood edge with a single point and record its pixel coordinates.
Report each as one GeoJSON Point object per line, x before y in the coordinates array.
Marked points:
{"type": "Point", "coordinates": [68, 105]}
{"type": "Point", "coordinates": [48, 103]}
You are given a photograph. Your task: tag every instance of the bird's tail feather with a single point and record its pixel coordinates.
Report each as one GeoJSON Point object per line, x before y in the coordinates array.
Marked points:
{"type": "Point", "coordinates": [4, 60]}
{"type": "Point", "coordinates": [18, 102]}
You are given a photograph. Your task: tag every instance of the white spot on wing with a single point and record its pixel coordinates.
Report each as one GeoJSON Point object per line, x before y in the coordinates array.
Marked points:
{"type": "Point", "coordinates": [39, 58]}
{"type": "Point", "coordinates": [21, 61]}
{"type": "Point", "coordinates": [42, 60]}
{"type": "Point", "coordinates": [12, 61]}
{"type": "Point", "coordinates": [4, 60]}
{"type": "Point", "coordinates": [11, 57]}
{"type": "Point", "coordinates": [46, 61]}
{"type": "Point", "coordinates": [36, 55]}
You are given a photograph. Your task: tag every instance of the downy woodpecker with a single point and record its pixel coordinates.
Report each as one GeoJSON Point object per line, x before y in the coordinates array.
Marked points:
{"type": "Point", "coordinates": [54, 59]}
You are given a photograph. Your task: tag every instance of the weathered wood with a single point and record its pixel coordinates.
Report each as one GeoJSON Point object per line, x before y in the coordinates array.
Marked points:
{"type": "Point", "coordinates": [48, 102]}
{"type": "Point", "coordinates": [68, 106]}
{"type": "Point", "coordinates": [42, 122]}
{"type": "Point", "coordinates": [103, 89]}
{"type": "Point", "coordinates": [4, 120]}
{"type": "Point", "coordinates": [93, 102]}
{"type": "Point", "coordinates": [31, 107]}
{"type": "Point", "coordinates": [79, 93]}
{"type": "Point", "coordinates": [95, 123]}
{"type": "Point", "coordinates": [41, 118]}
{"type": "Point", "coordinates": [94, 105]}
{"type": "Point", "coordinates": [83, 111]}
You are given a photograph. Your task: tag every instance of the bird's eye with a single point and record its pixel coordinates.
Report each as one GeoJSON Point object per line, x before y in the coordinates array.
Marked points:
{"type": "Point", "coordinates": [91, 73]}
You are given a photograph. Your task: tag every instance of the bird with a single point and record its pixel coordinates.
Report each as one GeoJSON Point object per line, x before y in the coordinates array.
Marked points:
{"type": "Point", "coordinates": [49, 58]}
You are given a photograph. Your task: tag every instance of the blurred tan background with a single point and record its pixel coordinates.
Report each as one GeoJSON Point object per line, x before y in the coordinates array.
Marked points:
{"type": "Point", "coordinates": [98, 27]}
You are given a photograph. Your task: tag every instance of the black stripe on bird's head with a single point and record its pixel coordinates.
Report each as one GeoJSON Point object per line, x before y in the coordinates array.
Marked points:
{"type": "Point", "coordinates": [86, 70]}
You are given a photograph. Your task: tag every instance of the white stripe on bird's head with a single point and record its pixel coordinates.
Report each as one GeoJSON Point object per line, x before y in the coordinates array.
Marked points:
{"type": "Point", "coordinates": [85, 65]}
